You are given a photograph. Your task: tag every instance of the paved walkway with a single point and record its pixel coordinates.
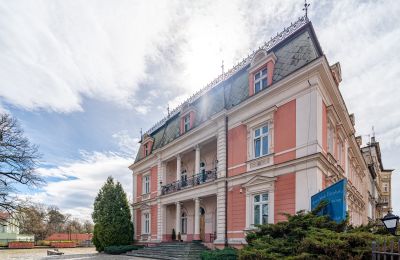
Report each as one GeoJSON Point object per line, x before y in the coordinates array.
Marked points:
{"type": "Point", "coordinates": [87, 253]}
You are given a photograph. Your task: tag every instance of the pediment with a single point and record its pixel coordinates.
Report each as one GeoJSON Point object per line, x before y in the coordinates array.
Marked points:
{"type": "Point", "coordinates": [257, 180]}
{"type": "Point", "coordinates": [145, 206]}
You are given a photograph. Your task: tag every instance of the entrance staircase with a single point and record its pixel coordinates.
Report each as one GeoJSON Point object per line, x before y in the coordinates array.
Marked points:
{"type": "Point", "coordinates": [171, 251]}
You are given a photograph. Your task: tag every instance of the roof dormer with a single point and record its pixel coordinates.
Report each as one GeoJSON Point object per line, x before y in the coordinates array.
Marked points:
{"type": "Point", "coordinates": [147, 144]}
{"type": "Point", "coordinates": [188, 114]}
{"type": "Point", "coordinates": [261, 71]}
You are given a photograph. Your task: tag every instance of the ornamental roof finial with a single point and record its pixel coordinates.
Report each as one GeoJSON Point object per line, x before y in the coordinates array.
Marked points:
{"type": "Point", "coordinates": [306, 5]}
{"type": "Point", "coordinates": [222, 67]}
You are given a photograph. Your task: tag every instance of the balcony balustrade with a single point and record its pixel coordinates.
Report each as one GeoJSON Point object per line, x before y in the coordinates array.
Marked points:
{"type": "Point", "coordinates": [184, 183]}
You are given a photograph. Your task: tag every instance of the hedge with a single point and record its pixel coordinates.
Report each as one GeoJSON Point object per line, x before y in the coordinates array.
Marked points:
{"type": "Point", "coordinates": [226, 254]}
{"type": "Point", "coordinates": [117, 250]}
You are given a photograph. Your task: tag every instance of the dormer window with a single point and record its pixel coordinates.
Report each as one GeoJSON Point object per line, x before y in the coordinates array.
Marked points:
{"type": "Point", "coordinates": [186, 123]}
{"type": "Point", "coordinates": [261, 71]}
{"type": "Point", "coordinates": [147, 145]}
{"type": "Point", "coordinates": [260, 80]}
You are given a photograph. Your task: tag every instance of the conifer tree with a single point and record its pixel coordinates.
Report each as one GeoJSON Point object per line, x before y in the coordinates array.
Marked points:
{"type": "Point", "coordinates": [111, 217]}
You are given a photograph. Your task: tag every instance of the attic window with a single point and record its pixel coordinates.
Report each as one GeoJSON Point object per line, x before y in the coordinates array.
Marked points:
{"type": "Point", "coordinates": [186, 123]}
{"type": "Point", "coordinates": [260, 80]}
{"type": "Point", "coordinates": [146, 149]}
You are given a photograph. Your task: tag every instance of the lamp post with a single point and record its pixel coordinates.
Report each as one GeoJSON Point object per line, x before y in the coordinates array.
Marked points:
{"type": "Point", "coordinates": [391, 221]}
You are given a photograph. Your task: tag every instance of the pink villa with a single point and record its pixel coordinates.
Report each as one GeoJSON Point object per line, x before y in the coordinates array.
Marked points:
{"type": "Point", "coordinates": [259, 140]}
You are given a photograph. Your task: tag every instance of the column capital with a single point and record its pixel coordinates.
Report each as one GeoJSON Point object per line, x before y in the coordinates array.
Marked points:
{"type": "Point", "coordinates": [179, 203]}
{"type": "Point", "coordinates": [178, 156]}
{"type": "Point", "coordinates": [197, 147]}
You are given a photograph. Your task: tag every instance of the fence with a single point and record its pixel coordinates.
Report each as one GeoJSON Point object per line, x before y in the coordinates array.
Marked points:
{"type": "Point", "coordinates": [386, 251]}
{"type": "Point", "coordinates": [4, 242]}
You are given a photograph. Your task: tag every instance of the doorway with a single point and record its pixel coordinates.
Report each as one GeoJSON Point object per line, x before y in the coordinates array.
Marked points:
{"type": "Point", "coordinates": [202, 224]}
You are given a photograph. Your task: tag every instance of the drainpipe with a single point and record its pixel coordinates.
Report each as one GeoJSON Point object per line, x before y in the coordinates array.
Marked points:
{"type": "Point", "coordinates": [226, 181]}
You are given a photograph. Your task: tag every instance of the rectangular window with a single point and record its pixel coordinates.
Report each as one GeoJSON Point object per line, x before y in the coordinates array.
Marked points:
{"type": "Point", "coordinates": [146, 223]}
{"type": "Point", "coordinates": [340, 153]}
{"type": "Point", "coordinates": [260, 80]}
{"type": "Point", "coordinates": [146, 150]}
{"type": "Point", "coordinates": [330, 139]}
{"type": "Point", "coordinates": [261, 142]}
{"type": "Point", "coordinates": [260, 209]}
{"type": "Point", "coordinates": [186, 123]}
{"type": "Point", "coordinates": [146, 184]}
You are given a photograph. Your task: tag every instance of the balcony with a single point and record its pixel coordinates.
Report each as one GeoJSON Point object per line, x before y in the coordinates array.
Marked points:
{"type": "Point", "coordinates": [191, 181]}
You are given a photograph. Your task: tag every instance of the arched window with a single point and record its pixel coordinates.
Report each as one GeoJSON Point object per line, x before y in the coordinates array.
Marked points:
{"type": "Point", "coordinates": [184, 223]}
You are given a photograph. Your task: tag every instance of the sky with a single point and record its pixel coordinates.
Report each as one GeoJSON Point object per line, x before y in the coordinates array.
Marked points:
{"type": "Point", "coordinates": [83, 77]}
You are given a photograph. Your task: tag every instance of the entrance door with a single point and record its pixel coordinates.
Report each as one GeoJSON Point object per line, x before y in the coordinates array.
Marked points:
{"type": "Point", "coordinates": [202, 224]}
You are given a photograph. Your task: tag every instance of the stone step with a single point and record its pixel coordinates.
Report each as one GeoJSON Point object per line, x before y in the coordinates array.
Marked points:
{"type": "Point", "coordinates": [171, 251]}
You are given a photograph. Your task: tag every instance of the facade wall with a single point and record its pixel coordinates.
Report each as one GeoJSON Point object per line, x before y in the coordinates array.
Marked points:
{"type": "Point", "coordinates": [236, 212]}
{"type": "Point", "coordinates": [153, 225]}
{"type": "Point", "coordinates": [138, 230]}
{"type": "Point", "coordinates": [285, 193]}
{"type": "Point", "coordinates": [237, 150]}
{"type": "Point", "coordinates": [153, 181]}
{"type": "Point", "coordinates": [285, 132]}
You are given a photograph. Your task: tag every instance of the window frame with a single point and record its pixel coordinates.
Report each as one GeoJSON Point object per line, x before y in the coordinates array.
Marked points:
{"type": "Point", "coordinates": [183, 223]}
{"type": "Point", "coordinates": [262, 78]}
{"type": "Point", "coordinates": [186, 122]}
{"type": "Point", "coordinates": [260, 203]}
{"type": "Point", "coordinates": [146, 184]}
{"type": "Point", "coordinates": [261, 137]}
{"type": "Point", "coordinates": [146, 223]}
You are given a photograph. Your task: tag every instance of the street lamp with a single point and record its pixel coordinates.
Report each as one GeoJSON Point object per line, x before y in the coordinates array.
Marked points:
{"type": "Point", "coordinates": [390, 221]}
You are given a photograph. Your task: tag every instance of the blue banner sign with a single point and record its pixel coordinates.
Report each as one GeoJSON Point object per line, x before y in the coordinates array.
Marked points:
{"type": "Point", "coordinates": [336, 197]}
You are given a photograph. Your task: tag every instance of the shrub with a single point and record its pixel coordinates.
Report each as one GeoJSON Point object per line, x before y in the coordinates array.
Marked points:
{"type": "Point", "coordinates": [310, 236]}
{"type": "Point", "coordinates": [173, 234]}
{"type": "Point", "coordinates": [117, 250]}
{"type": "Point", "coordinates": [226, 254]}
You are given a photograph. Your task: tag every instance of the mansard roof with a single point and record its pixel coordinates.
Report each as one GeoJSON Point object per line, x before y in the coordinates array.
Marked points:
{"type": "Point", "coordinates": [294, 47]}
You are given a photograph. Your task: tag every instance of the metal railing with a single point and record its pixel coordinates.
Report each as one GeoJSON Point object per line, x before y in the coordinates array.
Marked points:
{"type": "Point", "coordinates": [197, 179]}
{"type": "Point", "coordinates": [386, 250]}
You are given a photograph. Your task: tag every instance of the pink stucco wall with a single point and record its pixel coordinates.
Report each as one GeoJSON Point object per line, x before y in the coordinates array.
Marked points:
{"type": "Point", "coordinates": [285, 132]}
{"type": "Point", "coordinates": [285, 192]}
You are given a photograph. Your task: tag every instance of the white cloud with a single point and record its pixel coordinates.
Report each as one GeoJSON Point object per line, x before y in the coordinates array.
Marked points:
{"type": "Point", "coordinates": [81, 181]}
{"type": "Point", "coordinates": [127, 144]}
{"type": "Point", "coordinates": [54, 53]}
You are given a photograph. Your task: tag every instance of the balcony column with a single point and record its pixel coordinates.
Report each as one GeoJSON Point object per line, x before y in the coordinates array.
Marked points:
{"type": "Point", "coordinates": [178, 167]}
{"type": "Point", "coordinates": [178, 218]}
{"type": "Point", "coordinates": [196, 235]}
{"type": "Point", "coordinates": [221, 192]}
{"type": "Point", "coordinates": [161, 169]}
{"type": "Point", "coordinates": [197, 160]}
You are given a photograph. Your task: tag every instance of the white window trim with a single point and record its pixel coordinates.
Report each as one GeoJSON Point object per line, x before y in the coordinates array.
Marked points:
{"type": "Point", "coordinates": [258, 187]}
{"type": "Point", "coordinates": [144, 222]}
{"type": "Point", "coordinates": [187, 116]}
{"type": "Point", "coordinates": [260, 136]}
{"type": "Point", "coordinates": [260, 79]}
{"type": "Point", "coordinates": [265, 117]}
{"type": "Point", "coordinates": [144, 184]}
{"type": "Point", "coordinates": [261, 203]}
{"type": "Point", "coordinates": [181, 222]}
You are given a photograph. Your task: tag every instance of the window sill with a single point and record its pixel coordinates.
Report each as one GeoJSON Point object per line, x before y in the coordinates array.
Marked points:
{"type": "Point", "coordinates": [146, 196]}
{"type": "Point", "coordinates": [260, 162]}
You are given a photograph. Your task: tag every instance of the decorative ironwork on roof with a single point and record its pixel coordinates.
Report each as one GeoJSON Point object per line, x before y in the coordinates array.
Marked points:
{"type": "Point", "coordinates": [294, 27]}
